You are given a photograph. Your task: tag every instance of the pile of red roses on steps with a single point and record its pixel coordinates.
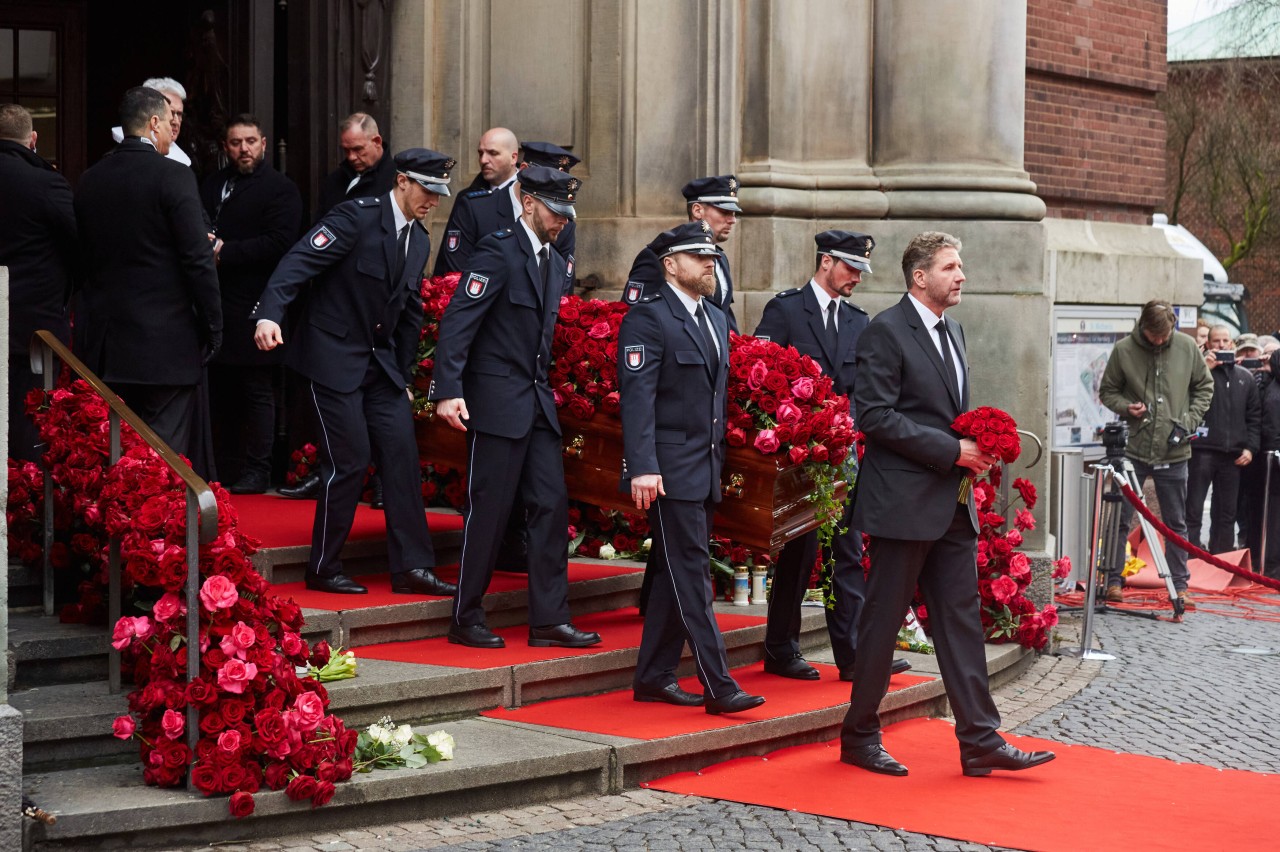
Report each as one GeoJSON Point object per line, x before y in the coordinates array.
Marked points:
{"type": "Point", "coordinates": [260, 724]}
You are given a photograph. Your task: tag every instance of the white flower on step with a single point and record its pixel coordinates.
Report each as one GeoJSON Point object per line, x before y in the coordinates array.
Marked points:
{"type": "Point", "coordinates": [379, 734]}
{"type": "Point", "coordinates": [402, 736]}
{"type": "Point", "coordinates": [607, 552]}
{"type": "Point", "coordinates": [443, 743]}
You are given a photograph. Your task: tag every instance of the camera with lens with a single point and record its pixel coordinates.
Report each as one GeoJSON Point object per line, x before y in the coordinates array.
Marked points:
{"type": "Point", "coordinates": [1115, 436]}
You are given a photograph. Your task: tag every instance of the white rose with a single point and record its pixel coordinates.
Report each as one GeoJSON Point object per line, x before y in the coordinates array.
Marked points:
{"type": "Point", "coordinates": [443, 743]}
{"type": "Point", "coordinates": [402, 735]}
{"type": "Point", "coordinates": [607, 551]}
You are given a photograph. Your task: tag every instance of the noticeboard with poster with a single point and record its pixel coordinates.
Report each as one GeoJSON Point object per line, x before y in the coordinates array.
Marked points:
{"type": "Point", "coordinates": [1083, 336]}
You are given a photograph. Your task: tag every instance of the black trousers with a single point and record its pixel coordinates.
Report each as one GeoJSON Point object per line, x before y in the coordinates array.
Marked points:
{"type": "Point", "coordinates": [791, 580]}
{"type": "Point", "coordinates": [502, 472]}
{"type": "Point", "coordinates": [680, 601]}
{"type": "Point", "coordinates": [243, 404]}
{"type": "Point", "coordinates": [1217, 468]}
{"type": "Point", "coordinates": [24, 439]}
{"type": "Point", "coordinates": [170, 411]}
{"type": "Point", "coordinates": [947, 574]}
{"type": "Point", "coordinates": [380, 411]}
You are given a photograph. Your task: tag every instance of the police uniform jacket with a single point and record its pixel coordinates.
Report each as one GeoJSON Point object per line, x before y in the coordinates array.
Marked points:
{"type": "Point", "coordinates": [373, 183]}
{"type": "Point", "coordinates": [151, 290]}
{"type": "Point", "coordinates": [495, 337]}
{"type": "Point", "coordinates": [647, 278]}
{"type": "Point", "coordinates": [480, 212]}
{"type": "Point", "coordinates": [793, 318]}
{"type": "Point", "coordinates": [354, 311]}
{"type": "Point", "coordinates": [257, 223]}
{"type": "Point", "coordinates": [673, 405]}
{"type": "Point", "coordinates": [37, 243]}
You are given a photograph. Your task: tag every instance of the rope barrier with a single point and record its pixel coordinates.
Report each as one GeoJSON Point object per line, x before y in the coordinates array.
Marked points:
{"type": "Point", "coordinates": [1195, 550]}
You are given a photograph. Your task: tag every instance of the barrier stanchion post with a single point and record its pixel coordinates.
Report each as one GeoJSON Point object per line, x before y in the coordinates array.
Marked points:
{"type": "Point", "coordinates": [1097, 557]}
{"type": "Point", "coordinates": [1261, 568]}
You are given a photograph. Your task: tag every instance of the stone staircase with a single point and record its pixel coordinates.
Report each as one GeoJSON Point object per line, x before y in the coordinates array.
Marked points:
{"type": "Point", "coordinates": [75, 769]}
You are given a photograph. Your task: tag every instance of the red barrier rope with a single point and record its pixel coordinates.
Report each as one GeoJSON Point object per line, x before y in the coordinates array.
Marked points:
{"type": "Point", "coordinates": [1194, 550]}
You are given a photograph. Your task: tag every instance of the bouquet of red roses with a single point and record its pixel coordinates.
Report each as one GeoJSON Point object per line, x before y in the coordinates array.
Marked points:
{"type": "Point", "coordinates": [996, 434]}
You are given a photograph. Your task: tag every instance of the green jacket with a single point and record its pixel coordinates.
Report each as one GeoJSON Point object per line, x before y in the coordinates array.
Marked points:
{"type": "Point", "coordinates": [1174, 383]}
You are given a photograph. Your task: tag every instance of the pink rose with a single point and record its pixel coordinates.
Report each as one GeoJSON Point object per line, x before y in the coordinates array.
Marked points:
{"type": "Point", "coordinates": [239, 640]}
{"type": "Point", "coordinates": [766, 441]}
{"type": "Point", "coordinates": [802, 388]}
{"type": "Point", "coordinates": [173, 724]}
{"type": "Point", "coordinates": [229, 741]}
{"type": "Point", "coordinates": [309, 709]}
{"type": "Point", "coordinates": [123, 727]}
{"type": "Point", "coordinates": [234, 674]}
{"type": "Point", "coordinates": [168, 607]}
{"type": "Point", "coordinates": [1019, 566]}
{"type": "Point", "coordinates": [756, 377]}
{"type": "Point", "coordinates": [1003, 589]}
{"type": "Point", "coordinates": [127, 628]}
{"type": "Point", "coordinates": [788, 412]}
{"type": "Point", "coordinates": [600, 331]}
{"type": "Point", "coordinates": [218, 593]}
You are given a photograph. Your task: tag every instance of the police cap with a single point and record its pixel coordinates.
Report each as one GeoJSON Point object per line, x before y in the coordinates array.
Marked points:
{"type": "Point", "coordinates": [546, 154]}
{"type": "Point", "coordinates": [851, 247]}
{"type": "Point", "coordinates": [718, 191]}
{"type": "Point", "coordinates": [429, 168]}
{"type": "Point", "coordinates": [692, 237]}
{"type": "Point", "coordinates": [558, 190]}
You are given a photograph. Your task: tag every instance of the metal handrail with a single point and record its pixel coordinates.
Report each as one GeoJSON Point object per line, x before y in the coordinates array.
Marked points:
{"type": "Point", "coordinates": [202, 511]}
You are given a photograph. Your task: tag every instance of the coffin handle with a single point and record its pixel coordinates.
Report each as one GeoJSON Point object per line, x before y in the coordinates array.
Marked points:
{"type": "Point", "coordinates": [734, 488]}
{"type": "Point", "coordinates": [574, 448]}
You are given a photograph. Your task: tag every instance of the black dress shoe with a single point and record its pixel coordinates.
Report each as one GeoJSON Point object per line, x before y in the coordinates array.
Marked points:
{"type": "Point", "coordinates": [375, 484]}
{"type": "Point", "coordinates": [421, 581]}
{"type": "Point", "coordinates": [339, 584]}
{"type": "Point", "coordinates": [735, 703]}
{"type": "Point", "coordinates": [1006, 757]}
{"type": "Point", "coordinates": [899, 666]}
{"type": "Point", "coordinates": [561, 636]}
{"type": "Point", "coordinates": [794, 667]}
{"type": "Point", "coordinates": [474, 636]}
{"type": "Point", "coordinates": [308, 488]}
{"type": "Point", "coordinates": [253, 482]}
{"type": "Point", "coordinates": [872, 758]}
{"type": "Point", "coordinates": [669, 694]}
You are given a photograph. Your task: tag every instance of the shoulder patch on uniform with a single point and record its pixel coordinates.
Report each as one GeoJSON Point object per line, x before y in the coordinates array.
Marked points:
{"type": "Point", "coordinates": [452, 239]}
{"type": "Point", "coordinates": [475, 285]}
{"type": "Point", "coordinates": [632, 292]}
{"type": "Point", "coordinates": [321, 238]}
{"type": "Point", "coordinates": [633, 356]}
{"type": "Point", "coordinates": [476, 193]}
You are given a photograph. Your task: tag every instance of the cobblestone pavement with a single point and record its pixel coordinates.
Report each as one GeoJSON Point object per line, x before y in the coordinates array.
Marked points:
{"type": "Point", "coordinates": [1175, 691]}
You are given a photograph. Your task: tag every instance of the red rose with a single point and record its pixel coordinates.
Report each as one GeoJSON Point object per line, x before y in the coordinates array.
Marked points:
{"type": "Point", "coordinates": [775, 381]}
{"type": "Point", "coordinates": [323, 793]}
{"type": "Point", "coordinates": [276, 775]}
{"type": "Point", "coordinates": [241, 804]}
{"type": "Point", "coordinates": [736, 437]}
{"type": "Point", "coordinates": [230, 777]}
{"type": "Point", "coordinates": [301, 787]}
{"type": "Point", "coordinates": [798, 455]}
{"type": "Point", "coordinates": [204, 777]}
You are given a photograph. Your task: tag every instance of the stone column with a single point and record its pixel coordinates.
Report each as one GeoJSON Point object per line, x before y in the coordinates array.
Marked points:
{"type": "Point", "coordinates": [948, 109]}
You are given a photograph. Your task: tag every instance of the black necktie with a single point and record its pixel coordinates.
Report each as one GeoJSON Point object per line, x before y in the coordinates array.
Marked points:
{"type": "Point", "coordinates": [401, 246]}
{"type": "Point", "coordinates": [833, 333]}
{"type": "Point", "coordinates": [949, 365]}
{"type": "Point", "coordinates": [544, 268]}
{"type": "Point", "coordinates": [706, 334]}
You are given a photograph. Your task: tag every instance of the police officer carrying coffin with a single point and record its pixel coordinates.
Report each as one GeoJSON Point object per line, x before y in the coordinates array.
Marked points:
{"type": "Point", "coordinates": [713, 200]}
{"type": "Point", "coordinates": [480, 212]}
{"type": "Point", "coordinates": [357, 342]}
{"type": "Point", "coordinates": [673, 366]}
{"type": "Point", "coordinates": [490, 379]}
{"type": "Point", "coordinates": [818, 323]}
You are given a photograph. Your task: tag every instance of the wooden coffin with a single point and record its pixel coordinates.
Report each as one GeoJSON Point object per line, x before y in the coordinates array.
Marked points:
{"type": "Point", "coordinates": [765, 501]}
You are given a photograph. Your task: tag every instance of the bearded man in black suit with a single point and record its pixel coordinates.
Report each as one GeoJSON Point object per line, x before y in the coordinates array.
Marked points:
{"type": "Point", "coordinates": [153, 313]}
{"type": "Point", "coordinates": [913, 381]}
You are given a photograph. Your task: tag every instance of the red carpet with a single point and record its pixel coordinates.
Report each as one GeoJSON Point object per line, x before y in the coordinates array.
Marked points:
{"type": "Point", "coordinates": [619, 628]}
{"type": "Point", "coordinates": [1162, 804]}
{"type": "Point", "coordinates": [281, 522]}
{"type": "Point", "coordinates": [616, 713]}
{"type": "Point", "coordinates": [380, 594]}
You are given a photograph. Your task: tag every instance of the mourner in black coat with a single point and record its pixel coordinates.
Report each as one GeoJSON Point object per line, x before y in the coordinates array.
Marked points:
{"type": "Point", "coordinates": [490, 379]}
{"type": "Point", "coordinates": [153, 314]}
{"type": "Point", "coordinates": [713, 200]}
{"type": "Point", "coordinates": [817, 321]}
{"type": "Point", "coordinates": [913, 381]}
{"type": "Point", "coordinates": [38, 244]}
{"type": "Point", "coordinates": [256, 214]}
{"type": "Point", "coordinates": [367, 170]}
{"type": "Point", "coordinates": [673, 367]}
{"type": "Point", "coordinates": [356, 341]}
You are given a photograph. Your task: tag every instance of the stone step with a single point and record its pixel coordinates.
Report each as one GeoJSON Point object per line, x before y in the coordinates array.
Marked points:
{"type": "Point", "coordinates": [25, 586]}
{"type": "Point", "coordinates": [46, 651]}
{"type": "Point", "coordinates": [498, 764]}
{"type": "Point", "coordinates": [367, 556]}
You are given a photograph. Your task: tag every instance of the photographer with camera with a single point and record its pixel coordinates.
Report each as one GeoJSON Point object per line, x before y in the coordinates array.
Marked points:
{"type": "Point", "coordinates": [1225, 443]}
{"type": "Point", "coordinates": [1158, 383]}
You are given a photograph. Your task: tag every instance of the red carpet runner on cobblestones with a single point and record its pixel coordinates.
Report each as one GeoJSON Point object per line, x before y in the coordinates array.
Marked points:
{"type": "Point", "coordinates": [280, 522]}
{"type": "Point", "coordinates": [617, 714]}
{"type": "Point", "coordinates": [1053, 807]}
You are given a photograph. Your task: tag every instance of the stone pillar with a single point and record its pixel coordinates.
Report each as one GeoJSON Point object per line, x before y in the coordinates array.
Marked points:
{"type": "Point", "coordinates": [948, 110]}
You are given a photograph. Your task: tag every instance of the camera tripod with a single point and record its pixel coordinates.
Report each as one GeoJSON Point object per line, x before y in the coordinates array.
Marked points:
{"type": "Point", "coordinates": [1107, 543]}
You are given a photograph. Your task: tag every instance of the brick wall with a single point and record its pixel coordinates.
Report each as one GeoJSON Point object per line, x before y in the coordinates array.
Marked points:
{"type": "Point", "coordinates": [1095, 139]}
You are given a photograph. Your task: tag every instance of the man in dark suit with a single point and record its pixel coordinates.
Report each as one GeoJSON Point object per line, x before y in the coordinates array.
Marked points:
{"type": "Point", "coordinates": [673, 366]}
{"type": "Point", "coordinates": [913, 381]}
{"type": "Point", "coordinates": [713, 200]}
{"type": "Point", "coordinates": [818, 323]}
{"type": "Point", "coordinates": [480, 212]}
{"type": "Point", "coordinates": [38, 244]}
{"type": "Point", "coordinates": [490, 380]}
{"type": "Point", "coordinates": [256, 214]}
{"type": "Point", "coordinates": [153, 314]}
{"type": "Point", "coordinates": [366, 170]}
{"type": "Point", "coordinates": [357, 341]}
